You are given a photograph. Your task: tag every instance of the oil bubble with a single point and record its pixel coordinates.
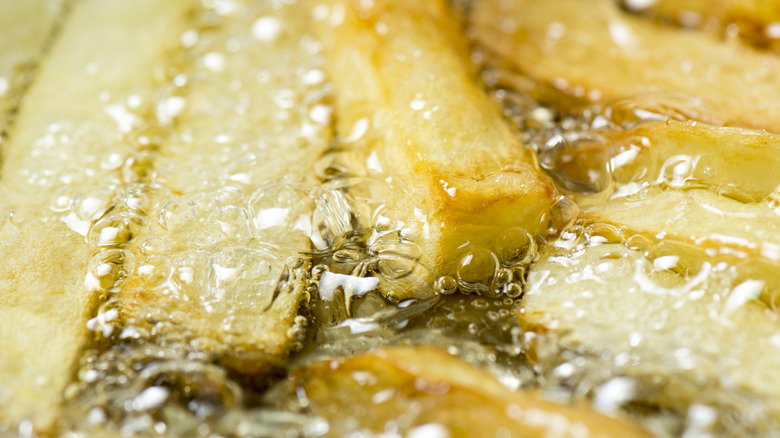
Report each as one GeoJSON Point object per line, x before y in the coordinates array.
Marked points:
{"type": "Point", "coordinates": [333, 214]}
{"type": "Point", "coordinates": [578, 162]}
{"type": "Point", "coordinates": [252, 172]}
{"type": "Point", "coordinates": [150, 136]}
{"type": "Point", "coordinates": [679, 170]}
{"type": "Point", "coordinates": [561, 214]}
{"type": "Point", "coordinates": [516, 247]}
{"type": "Point", "coordinates": [603, 233]}
{"type": "Point", "coordinates": [395, 259]}
{"type": "Point", "coordinates": [137, 166]}
{"type": "Point", "coordinates": [144, 199]}
{"type": "Point", "coordinates": [116, 230]}
{"type": "Point", "coordinates": [91, 204]}
{"type": "Point", "coordinates": [175, 214]}
{"type": "Point", "coordinates": [445, 285]}
{"type": "Point", "coordinates": [191, 269]}
{"type": "Point", "coordinates": [108, 269]}
{"type": "Point", "coordinates": [513, 290]}
{"type": "Point", "coordinates": [230, 223]}
{"type": "Point", "coordinates": [62, 200]}
{"type": "Point", "coordinates": [281, 208]}
{"type": "Point", "coordinates": [504, 276]}
{"type": "Point", "coordinates": [477, 270]}
{"type": "Point", "coordinates": [155, 270]}
{"type": "Point", "coordinates": [155, 245]}
{"type": "Point", "coordinates": [243, 274]}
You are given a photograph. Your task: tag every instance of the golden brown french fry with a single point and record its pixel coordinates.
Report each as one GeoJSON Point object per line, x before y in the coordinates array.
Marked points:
{"type": "Point", "coordinates": [57, 150]}
{"type": "Point", "coordinates": [406, 97]}
{"type": "Point", "coordinates": [596, 52]}
{"type": "Point", "coordinates": [735, 162]}
{"type": "Point", "coordinates": [421, 389]}
{"type": "Point", "coordinates": [237, 175]}
{"type": "Point", "coordinates": [755, 20]}
{"type": "Point", "coordinates": [26, 27]}
{"type": "Point", "coordinates": [698, 226]}
{"type": "Point", "coordinates": [687, 343]}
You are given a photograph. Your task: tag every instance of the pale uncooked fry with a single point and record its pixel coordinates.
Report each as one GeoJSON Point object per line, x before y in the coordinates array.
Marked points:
{"type": "Point", "coordinates": [26, 27]}
{"type": "Point", "coordinates": [697, 226]}
{"type": "Point", "coordinates": [427, 391]}
{"type": "Point", "coordinates": [593, 50]}
{"type": "Point", "coordinates": [756, 20]}
{"type": "Point", "coordinates": [60, 139]}
{"type": "Point", "coordinates": [406, 96]}
{"type": "Point", "coordinates": [43, 311]}
{"type": "Point", "coordinates": [701, 340]}
{"type": "Point", "coordinates": [738, 163]}
{"type": "Point", "coordinates": [238, 173]}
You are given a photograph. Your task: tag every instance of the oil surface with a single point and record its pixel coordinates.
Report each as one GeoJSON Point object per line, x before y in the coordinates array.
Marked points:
{"type": "Point", "coordinates": [199, 226]}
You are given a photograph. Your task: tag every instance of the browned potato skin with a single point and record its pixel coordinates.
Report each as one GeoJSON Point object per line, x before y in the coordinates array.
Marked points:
{"type": "Point", "coordinates": [601, 54]}
{"type": "Point", "coordinates": [428, 386]}
{"type": "Point", "coordinates": [462, 146]}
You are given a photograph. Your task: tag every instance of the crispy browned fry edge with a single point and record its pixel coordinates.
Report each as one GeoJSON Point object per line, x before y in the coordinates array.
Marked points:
{"type": "Point", "coordinates": [459, 177]}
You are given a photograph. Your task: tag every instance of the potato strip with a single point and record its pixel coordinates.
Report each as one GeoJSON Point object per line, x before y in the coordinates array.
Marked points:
{"type": "Point", "coordinates": [26, 28]}
{"type": "Point", "coordinates": [757, 21]}
{"type": "Point", "coordinates": [424, 390]}
{"type": "Point", "coordinates": [64, 134]}
{"type": "Point", "coordinates": [595, 52]}
{"type": "Point", "coordinates": [647, 335]}
{"type": "Point", "coordinates": [236, 183]}
{"type": "Point", "coordinates": [406, 97]}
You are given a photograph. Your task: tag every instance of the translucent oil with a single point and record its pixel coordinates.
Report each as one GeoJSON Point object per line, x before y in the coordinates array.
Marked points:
{"type": "Point", "coordinates": [205, 227]}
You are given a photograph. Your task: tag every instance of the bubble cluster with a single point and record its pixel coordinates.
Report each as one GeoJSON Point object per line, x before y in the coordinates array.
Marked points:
{"type": "Point", "coordinates": [193, 236]}
{"type": "Point", "coordinates": [638, 313]}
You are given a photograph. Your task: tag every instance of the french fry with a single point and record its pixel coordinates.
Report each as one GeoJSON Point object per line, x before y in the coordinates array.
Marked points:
{"type": "Point", "coordinates": [237, 173]}
{"type": "Point", "coordinates": [458, 175]}
{"type": "Point", "coordinates": [697, 226]}
{"type": "Point", "coordinates": [59, 141]}
{"type": "Point", "coordinates": [452, 397]}
{"type": "Point", "coordinates": [688, 340]}
{"type": "Point", "coordinates": [735, 162]}
{"type": "Point", "coordinates": [755, 20]}
{"type": "Point", "coordinates": [593, 51]}
{"type": "Point", "coordinates": [26, 28]}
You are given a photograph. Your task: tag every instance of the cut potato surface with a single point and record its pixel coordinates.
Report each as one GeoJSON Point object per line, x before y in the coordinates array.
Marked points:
{"type": "Point", "coordinates": [57, 150]}
{"type": "Point", "coordinates": [683, 341]}
{"type": "Point", "coordinates": [426, 391]}
{"type": "Point", "coordinates": [27, 26]}
{"type": "Point", "coordinates": [237, 181]}
{"type": "Point", "coordinates": [594, 51]}
{"type": "Point", "coordinates": [407, 100]}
